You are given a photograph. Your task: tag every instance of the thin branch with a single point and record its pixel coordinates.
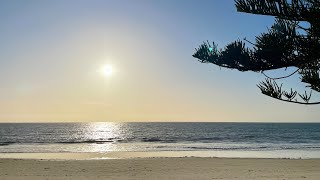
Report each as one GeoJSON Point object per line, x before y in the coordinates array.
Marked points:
{"type": "Point", "coordinates": [245, 39]}
{"type": "Point", "coordinates": [297, 102]}
{"type": "Point", "coordinates": [280, 77]}
{"type": "Point", "coordinates": [306, 29]}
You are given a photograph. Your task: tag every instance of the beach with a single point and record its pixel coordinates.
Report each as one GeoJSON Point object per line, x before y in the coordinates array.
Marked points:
{"type": "Point", "coordinates": [159, 151]}
{"type": "Point", "coordinates": [160, 168]}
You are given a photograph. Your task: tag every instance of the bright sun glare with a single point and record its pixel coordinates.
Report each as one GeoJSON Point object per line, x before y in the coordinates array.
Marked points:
{"type": "Point", "coordinates": [107, 70]}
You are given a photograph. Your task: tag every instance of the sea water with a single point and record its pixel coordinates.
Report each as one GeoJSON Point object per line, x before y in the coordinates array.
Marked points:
{"type": "Point", "coordinates": [258, 140]}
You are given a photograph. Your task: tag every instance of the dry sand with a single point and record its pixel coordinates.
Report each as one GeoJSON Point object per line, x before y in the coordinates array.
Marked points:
{"type": "Point", "coordinates": [161, 168]}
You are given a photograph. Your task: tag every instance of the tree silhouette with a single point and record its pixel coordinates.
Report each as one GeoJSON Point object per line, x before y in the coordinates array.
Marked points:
{"type": "Point", "coordinates": [288, 43]}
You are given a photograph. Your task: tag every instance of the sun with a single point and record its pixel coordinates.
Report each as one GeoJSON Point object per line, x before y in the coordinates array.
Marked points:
{"type": "Point", "coordinates": [107, 70]}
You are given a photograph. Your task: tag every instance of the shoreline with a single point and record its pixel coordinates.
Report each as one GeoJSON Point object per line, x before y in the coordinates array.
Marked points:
{"type": "Point", "coordinates": [163, 154]}
{"type": "Point", "coordinates": [161, 168]}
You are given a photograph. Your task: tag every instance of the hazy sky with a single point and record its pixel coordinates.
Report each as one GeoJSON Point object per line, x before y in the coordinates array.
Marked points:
{"type": "Point", "coordinates": [51, 53]}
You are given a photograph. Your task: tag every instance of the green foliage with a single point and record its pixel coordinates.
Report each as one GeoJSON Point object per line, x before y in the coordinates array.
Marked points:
{"type": "Point", "coordinates": [285, 44]}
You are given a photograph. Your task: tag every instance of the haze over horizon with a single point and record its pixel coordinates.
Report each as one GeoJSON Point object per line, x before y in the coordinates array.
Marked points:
{"type": "Point", "coordinates": [124, 60]}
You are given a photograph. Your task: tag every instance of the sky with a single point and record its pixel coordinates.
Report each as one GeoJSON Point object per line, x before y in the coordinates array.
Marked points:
{"type": "Point", "coordinates": [52, 54]}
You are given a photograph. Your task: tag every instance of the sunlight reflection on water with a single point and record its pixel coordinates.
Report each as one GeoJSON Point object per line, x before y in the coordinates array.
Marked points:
{"type": "Point", "coordinates": [103, 134]}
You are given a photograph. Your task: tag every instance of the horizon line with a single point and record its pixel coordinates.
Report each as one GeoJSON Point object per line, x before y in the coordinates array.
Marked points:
{"type": "Point", "coordinates": [33, 122]}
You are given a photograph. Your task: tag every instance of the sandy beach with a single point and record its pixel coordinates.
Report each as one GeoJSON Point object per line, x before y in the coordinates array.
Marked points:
{"type": "Point", "coordinates": [161, 168]}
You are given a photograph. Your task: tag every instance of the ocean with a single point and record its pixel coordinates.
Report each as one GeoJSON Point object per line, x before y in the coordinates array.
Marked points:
{"type": "Point", "coordinates": [258, 140]}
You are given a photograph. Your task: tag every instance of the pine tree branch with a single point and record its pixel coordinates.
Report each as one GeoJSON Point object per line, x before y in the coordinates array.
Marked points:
{"type": "Point", "coordinates": [272, 89]}
{"type": "Point", "coordinates": [297, 102]}
{"type": "Point", "coordinates": [282, 46]}
{"type": "Point", "coordinates": [280, 77]}
{"type": "Point", "coordinates": [296, 10]}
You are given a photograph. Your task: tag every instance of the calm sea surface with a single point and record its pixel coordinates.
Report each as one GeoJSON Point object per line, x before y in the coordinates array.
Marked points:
{"type": "Point", "coordinates": [300, 139]}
